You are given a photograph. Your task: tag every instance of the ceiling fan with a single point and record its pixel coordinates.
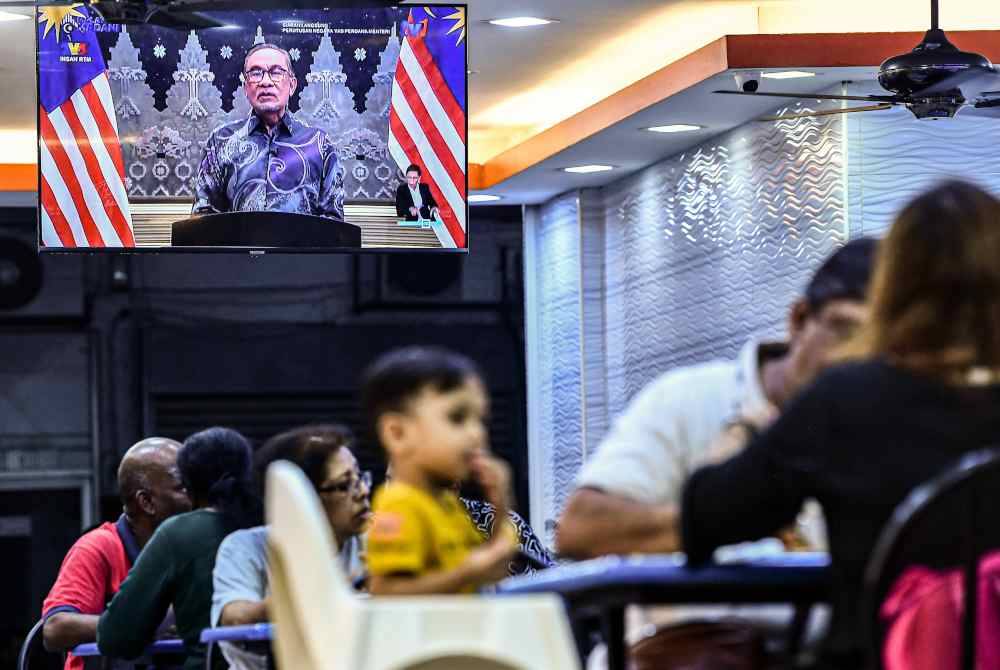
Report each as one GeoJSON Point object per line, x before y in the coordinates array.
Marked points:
{"type": "Point", "coordinates": [186, 14]}
{"type": "Point", "coordinates": [936, 80]}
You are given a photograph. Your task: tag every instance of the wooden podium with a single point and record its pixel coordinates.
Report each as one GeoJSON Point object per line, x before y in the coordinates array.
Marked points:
{"type": "Point", "coordinates": [265, 230]}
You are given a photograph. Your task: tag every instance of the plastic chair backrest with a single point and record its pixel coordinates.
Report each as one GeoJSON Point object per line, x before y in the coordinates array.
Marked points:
{"type": "Point", "coordinates": [33, 655]}
{"type": "Point", "coordinates": [953, 516]}
{"type": "Point", "coordinates": [312, 600]}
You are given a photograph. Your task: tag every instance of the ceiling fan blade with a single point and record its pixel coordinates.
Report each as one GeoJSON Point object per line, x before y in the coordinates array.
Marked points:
{"type": "Point", "coordinates": [887, 99]}
{"type": "Point", "coordinates": [971, 82]}
{"type": "Point", "coordinates": [827, 112]}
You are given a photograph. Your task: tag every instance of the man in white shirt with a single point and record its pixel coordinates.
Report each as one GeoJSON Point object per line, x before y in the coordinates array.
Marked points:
{"type": "Point", "coordinates": [627, 494]}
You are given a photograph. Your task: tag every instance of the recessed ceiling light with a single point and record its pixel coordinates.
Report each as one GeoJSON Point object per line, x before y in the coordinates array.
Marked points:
{"type": "Point", "coordinates": [11, 16]}
{"type": "Point", "coordinates": [587, 169]}
{"type": "Point", "coordinates": [521, 22]}
{"type": "Point", "coordinates": [674, 128]}
{"type": "Point", "coordinates": [483, 197]}
{"type": "Point", "coordinates": [787, 74]}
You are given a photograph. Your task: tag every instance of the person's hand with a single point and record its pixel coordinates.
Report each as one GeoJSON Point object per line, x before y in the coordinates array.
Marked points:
{"type": "Point", "coordinates": [493, 475]}
{"type": "Point", "coordinates": [488, 562]}
{"type": "Point", "coordinates": [414, 211]}
{"type": "Point", "coordinates": [435, 212]}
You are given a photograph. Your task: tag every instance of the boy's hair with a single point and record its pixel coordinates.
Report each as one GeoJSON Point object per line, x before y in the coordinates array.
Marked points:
{"type": "Point", "coordinates": [397, 377]}
{"type": "Point", "coordinates": [844, 275]}
{"type": "Point", "coordinates": [308, 447]}
{"type": "Point", "coordinates": [414, 168]}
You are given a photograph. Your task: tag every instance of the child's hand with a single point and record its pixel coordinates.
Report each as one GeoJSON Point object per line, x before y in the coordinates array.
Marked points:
{"type": "Point", "coordinates": [487, 563]}
{"type": "Point", "coordinates": [493, 475]}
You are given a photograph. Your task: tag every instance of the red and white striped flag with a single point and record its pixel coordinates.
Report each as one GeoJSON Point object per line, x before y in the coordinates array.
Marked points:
{"type": "Point", "coordinates": [83, 198]}
{"type": "Point", "coordinates": [426, 117]}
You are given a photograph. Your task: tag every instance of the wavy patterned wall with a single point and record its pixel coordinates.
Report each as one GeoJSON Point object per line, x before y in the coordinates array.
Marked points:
{"type": "Point", "coordinates": [683, 262]}
{"type": "Point", "coordinates": [552, 262]}
{"type": "Point", "coordinates": [892, 157]}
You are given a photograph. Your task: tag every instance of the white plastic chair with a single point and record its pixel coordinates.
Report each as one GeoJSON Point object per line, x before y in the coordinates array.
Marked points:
{"type": "Point", "coordinates": [321, 624]}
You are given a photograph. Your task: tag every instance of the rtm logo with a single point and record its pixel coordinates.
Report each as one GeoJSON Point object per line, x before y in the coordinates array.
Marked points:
{"type": "Point", "coordinates": [77, 48]}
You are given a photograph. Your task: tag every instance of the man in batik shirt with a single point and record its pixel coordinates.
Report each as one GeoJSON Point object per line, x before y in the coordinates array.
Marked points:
{"type": "Point", "coordinates": [270, 161]}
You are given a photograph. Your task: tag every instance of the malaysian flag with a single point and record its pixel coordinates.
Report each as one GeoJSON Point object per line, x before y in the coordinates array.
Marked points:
{"type": "Point", "coordinates": [427, 111]}
{"type": "Point", "coordinates": [82, 195]}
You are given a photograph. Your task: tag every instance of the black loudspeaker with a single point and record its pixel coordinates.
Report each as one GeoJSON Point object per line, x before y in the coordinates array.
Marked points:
{"type": "Point", "coordinates": [423, 276]}
{"type": "Point", "coordinates": [20, 273]}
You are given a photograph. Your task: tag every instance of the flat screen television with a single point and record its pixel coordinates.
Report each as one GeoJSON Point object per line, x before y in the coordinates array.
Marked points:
{"type": "Point", "coordinates": [279, 129]}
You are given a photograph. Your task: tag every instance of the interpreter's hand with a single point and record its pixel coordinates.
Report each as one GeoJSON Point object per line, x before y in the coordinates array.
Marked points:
{"type": "Point", "coordinates": [493, 475]}
{"type": "Point", "coordinates": [414, 211]}
{"type": "Point", "coordinates": [488, 563]}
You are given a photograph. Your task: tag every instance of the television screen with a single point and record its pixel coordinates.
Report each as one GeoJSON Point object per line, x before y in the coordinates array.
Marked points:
{"type": "Point", "coordinates": [288, 129]}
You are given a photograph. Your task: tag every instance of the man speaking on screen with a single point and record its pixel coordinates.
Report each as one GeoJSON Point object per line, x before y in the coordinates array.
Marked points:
{"type": "Point", "coordinates": [270, 161]}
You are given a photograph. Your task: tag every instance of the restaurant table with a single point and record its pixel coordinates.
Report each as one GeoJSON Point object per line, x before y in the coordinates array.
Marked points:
{"type": "Point", "coordinates": [160, 649]}
{"type": "Point", "coordinates": [603, 587]}
{"type": "Point", "coordinates": [254, 634]}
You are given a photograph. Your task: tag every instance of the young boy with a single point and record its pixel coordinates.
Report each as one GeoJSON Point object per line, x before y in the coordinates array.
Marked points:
{"type": "Point", "coordinates": [428, 409]}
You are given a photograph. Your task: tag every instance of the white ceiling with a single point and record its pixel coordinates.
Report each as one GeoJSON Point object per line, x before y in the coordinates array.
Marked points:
{"type": "Point", "coordinates": [629, 147]}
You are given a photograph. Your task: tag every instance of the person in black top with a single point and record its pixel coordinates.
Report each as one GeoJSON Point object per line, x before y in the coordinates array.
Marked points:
{"type": "Point", "coordinates": [921, 387]}
{"type": "Point", "coordinates": [414, 200]}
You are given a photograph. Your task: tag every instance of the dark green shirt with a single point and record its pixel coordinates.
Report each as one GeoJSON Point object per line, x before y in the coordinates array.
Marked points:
{"type": "Point", "coordinates": [174, 568]}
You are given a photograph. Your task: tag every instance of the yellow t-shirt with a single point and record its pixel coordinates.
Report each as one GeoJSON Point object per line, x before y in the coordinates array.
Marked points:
{"type": "Point", "coordinates": [414, 532]}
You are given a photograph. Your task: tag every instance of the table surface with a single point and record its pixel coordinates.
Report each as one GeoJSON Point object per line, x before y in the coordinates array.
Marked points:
{"type": "Point", "coordinates": [160, 647]}
{"type": "Point", "coordinates": [257, 632]}
{"type": "Point", "coordinates": [615, 580]}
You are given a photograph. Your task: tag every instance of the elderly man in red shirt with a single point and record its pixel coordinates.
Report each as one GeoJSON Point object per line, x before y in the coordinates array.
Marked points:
{"type": "Point", "coordinates": [96, 565]}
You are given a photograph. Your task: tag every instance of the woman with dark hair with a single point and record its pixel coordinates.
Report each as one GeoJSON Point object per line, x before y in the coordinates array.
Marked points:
{"type": "Point", "coordinates": [920, 387]}
{"type": "Point", "coordinates": [240, 594]}
{"type": "Point", "coordinates": [175, 568]}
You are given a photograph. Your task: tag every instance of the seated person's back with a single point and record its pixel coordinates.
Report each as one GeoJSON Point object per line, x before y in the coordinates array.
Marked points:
{"type": "Point", "coordinates": [175, 568]}
{"type": "Point", "coordinates": [924, 391]}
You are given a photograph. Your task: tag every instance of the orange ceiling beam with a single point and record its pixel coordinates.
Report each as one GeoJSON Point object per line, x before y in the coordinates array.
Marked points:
{"type": "Point", "coordinates": [18, 177]}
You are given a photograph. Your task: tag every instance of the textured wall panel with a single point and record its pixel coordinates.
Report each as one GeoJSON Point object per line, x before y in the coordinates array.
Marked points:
{"type": "Point", "coordinates": [708, 248]}
{"type": "Point", "coordinates": [892, 157]}
{"type": "Point", "coordinates": [700, 252]}
{"type": "Point", "coordinates": [552, 277]}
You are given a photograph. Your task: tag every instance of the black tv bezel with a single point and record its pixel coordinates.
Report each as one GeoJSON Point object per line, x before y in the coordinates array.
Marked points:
{"type": "Point", "coordinates": [252, 251]}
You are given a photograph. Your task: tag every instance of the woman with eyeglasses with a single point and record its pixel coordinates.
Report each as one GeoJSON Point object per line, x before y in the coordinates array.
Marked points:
{"type": "Point", "coordinates": [241, 591]}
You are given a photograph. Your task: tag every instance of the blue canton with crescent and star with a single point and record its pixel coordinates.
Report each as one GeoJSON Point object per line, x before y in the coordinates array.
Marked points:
{"type": "Point", "coordinates": [293, 168]}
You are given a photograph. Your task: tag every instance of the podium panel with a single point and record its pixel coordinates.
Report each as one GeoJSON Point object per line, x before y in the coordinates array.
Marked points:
{"type": "Point", "coordinates": [265, 230]}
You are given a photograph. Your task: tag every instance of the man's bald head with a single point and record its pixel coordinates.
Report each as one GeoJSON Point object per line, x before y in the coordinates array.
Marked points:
{"type": "Point", "coordinates": [149, 482]}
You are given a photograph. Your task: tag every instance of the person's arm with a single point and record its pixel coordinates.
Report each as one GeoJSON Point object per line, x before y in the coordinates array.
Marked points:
{"type": "Point", "coordinates": [243, 612]}
{"type": "Point", "coordinates": [484, 565]}
{"type": "Point", "coordinates": [626, 497]}
{"type": "Point", "coordinates": [129, 624]}
{"type": "Point", "coordinates": [210, 184]}
{"type": "Point", "coordinates": [403, 201]}
{"type": "Point", "coordinates": [64, 630]}
{"type": "Point", "coordinates": [597, 523]}
{"type": "Point", "coordinates": [761, 490]}
{"type": "Point", "coordinates": [332, 189]}
{"type": "Point", "coordinates": [239, 580]}
{"type": "Point", "coordinates": [77, 597]}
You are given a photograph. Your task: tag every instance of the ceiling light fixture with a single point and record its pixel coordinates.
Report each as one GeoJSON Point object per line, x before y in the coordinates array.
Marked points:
{"type": "Point", "coordinates": [787, 74]}
{"type": "Point", "coordinates": [483, 197]}
{"type": "Point", "coordinates": [674, 128]}
{"type": "Point", "coordinates": [587, 169]}
{"type": "Point", "coordinates": [11, 16]}
{"type": "Point", "coordinates": [521, 22]}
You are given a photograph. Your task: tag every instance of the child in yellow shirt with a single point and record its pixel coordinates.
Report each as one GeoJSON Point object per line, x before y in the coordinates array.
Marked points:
{"type": "Point", "coordinates": [428, 408]}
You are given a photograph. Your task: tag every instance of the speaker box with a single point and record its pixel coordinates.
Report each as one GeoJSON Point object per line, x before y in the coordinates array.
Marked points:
{"type": "Point", "coordinates": [34, 285]}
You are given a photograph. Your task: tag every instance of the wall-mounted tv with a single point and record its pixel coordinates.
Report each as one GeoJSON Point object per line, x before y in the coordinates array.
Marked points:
{"type": "Point", "coordinates": [278, 129]}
